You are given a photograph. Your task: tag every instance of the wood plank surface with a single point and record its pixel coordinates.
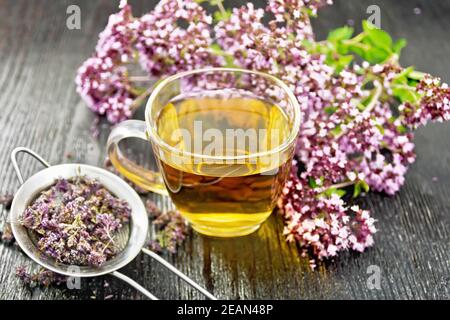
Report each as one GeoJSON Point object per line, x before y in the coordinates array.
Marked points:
{"type": "Point", "coordinates": [40, 109]}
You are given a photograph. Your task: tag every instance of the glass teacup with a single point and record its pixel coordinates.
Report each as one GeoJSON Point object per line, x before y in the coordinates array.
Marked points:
{"type": "Point", "coordinates": [223, 140]}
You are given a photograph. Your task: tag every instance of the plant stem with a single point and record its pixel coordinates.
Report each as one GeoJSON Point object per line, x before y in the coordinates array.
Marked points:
{"type": "Point", "coordinates": [375, 97]}
{"type": "Point", "coordinates": [403, 86]}
{"type": "Point", "coordinates": [139, 78]}
{"type": "Point", "coordinates": [355, 40]}
{"type": "Point", "coordinates": [342, 185]}
{"type": "Point", "coordinates": [416, 75]}
{"type": "Point", "coordinates": [221, 7]}
{"type": "Point", "coordinates": [138, 101]}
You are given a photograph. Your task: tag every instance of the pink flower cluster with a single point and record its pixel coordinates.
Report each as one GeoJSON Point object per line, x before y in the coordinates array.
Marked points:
{"type": "Point", "coordinates": [323, 225]}
{"type": "Point", "coordinates": [175, 36]}
{"type": "Point", "coordinates": [117, 40]}
{"type": "Point", "coordinates": [102, 80]}
{"type": "Point", "coordinates": [165, 46]}
{"type": "Point", "coordinates": [105, 88]}
{"type": "Point", "coordinates": [435, 103]}
{"type": "Point", "coordinates": [293, 16]}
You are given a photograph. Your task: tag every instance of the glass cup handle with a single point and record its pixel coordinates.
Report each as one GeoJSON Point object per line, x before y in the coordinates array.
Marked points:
{"type": "Point", "coordinates": [142, 177]}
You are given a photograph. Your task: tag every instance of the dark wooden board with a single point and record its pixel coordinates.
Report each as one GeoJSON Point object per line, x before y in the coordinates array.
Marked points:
{"type": "Point", "coordinates": [39, 108]}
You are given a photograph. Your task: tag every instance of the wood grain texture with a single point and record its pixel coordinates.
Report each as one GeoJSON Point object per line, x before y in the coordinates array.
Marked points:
{"type": "Point", "coordinates": [40, 109]}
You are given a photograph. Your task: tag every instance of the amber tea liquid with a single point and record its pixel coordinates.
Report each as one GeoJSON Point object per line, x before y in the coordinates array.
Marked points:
{"type": "Point", "coordinates": [224, 198]}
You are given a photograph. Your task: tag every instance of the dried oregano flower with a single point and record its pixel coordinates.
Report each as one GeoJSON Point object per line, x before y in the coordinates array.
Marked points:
{"type": "Point", "coordinates": [76, 221]}
{"type": "Point", "coordinates": [6, 200]}
{"type": "Point", "coordinates": [171, 228]}
{"type": "Point", "coordinates": [6, 235]}
{"type": "Point", "coordinates": [42, 278]}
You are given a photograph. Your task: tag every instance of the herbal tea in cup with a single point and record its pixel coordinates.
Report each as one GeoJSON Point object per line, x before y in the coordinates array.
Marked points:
{"type": "Point", "coordinates": [223, 140]}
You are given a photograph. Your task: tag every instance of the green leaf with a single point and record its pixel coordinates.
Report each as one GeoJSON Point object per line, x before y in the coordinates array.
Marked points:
{"type": "Point", "coordinates": [330, 110]}
{"type": "Point", "coordinates": [229, 62]}
{"type": "Point", "coordinates": [309, 45]}
{"type": "Point", "coordinates": [222, 16]}
{"type": "Point", "coordinates": [365, 186]}
{"type": "Point", "coordinates": [342, 48]}
{"type": "Point", "coordinates": [229, 59]}
{"type": "Point", "coordinates": [358, 48]}
{"type": "Point", "coordinates": [361, 107]}
{"type": "Point", "coordinates": [379, 38]}
{"type": "Point", "coordinates": [379, 43]}
{"type": "Point", "coordinates": [343, 62]}
{"type": "Point", "coordinates": [367, 26]}
{"type": "Point", "coordinates": [404, 75]}
{"type": "Point", "coordinates": [320, 182]}
{"type": "Point", "coordinates": [399, 45]}
{"type": "Point", "coordinates": [343, 33]}
{"type": "Point", "coordinates": [217, 49]}
{"type": "Point", "coordinates": [359, 186]}
{"type": "Point", "coordinates": [363, 104]}
{"type": "Point", "coordinates": [312, 182]}
{"type": "Point", "coordinates": [376, 55]}
{"type": "Point", "coordinates": [357, 190]}
{"type": "Point", "coordinates": [402, 129]}
{"type": "Point", "coordinates": [380, 128]}
{"type": "Point", "coordinates": [336, 131]}
{"type": "Point", "coordinates": [405, 95]}
{"type": "Point", "coordinates": [310, 12]}
{"type": "Point", "coordinates": [323, 49]}
{"type": "Point", "coordinates": [338, 62]}
{"type": "Point", "coordinates": [373, 45]}
{"type": "Point", "coordinates": [331, 191]}
{"type": "Point", "coordinates": [416, 75]}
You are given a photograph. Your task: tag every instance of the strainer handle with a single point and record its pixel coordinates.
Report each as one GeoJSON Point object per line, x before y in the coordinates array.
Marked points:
{"type": "Point", "coordinates": [18, 150]}
{"type": "Point", "coordinates": [180, 274]}
{"type": "Point", "coordinates": [134, 284]}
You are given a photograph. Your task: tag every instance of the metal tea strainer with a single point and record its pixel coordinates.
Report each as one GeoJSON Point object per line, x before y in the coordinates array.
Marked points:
{"type": "Point", "coordinates": [131, 239]}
